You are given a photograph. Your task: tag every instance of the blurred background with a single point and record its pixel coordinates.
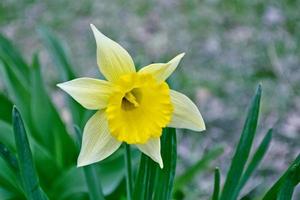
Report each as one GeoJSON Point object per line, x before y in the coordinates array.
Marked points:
{"type": "Point", "coordinates": [230, 47]}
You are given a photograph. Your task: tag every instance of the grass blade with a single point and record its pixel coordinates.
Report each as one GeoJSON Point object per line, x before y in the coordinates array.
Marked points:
{"type": "Point", "coordinates": [243, 149]}
{"type": "Point", "coordinates": [91, 177]}
{"type": "Point", "coordinates": [216, 184]}
{"type": "Point", "coordinates": [276, 190]}
{"type": "Point", "coordinates": [27, 170]}
{"type": "Point", "coordinates": [257, 157]}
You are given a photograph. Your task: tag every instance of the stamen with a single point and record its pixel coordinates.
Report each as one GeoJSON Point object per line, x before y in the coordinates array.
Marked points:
{"type": "Point", "coordinates": [132, 99]}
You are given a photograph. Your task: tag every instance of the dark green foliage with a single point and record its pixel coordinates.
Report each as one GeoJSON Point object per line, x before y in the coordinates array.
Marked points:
{"type": "Point", "coordinates": [257, 157]}
{"type": "Point", "coordinates": [284, 187]}
{"type": "Point", "coordinates": [8, 156]}
{"type": "Point", "coordinates": [5, 108]}
{"type": "Point", "coordinates": [28, 173]}
{"type": "Point", "coordinates": [153, 182]}
{"type": "Point", "coordinates": [243, 149]}
{"type": "Point", "coordinates": [217, 181]}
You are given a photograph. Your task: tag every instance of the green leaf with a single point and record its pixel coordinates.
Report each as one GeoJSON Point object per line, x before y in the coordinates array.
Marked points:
{"type": "Point", "coordinates": [257, 157]}
{"type": "Point", "coordinates": [9, 180]}
{"type": "Point", "coordinates": [5, 108]}
{"type": "Point", "coordinates": [291, 181]}
{"type": "Point", "coordinates": [9, 157]}
{"type": "Point", "coordinates": [6, 194]}
{"type": "Point", "coordinates": [165, 176]}
{"type": "Point", "coordinates": [58, 53]}
{"type": "Point", "coordinates": [128, 168]}
{"type": "Point", "coordinates": [54, 135]}
{"type": "Point", "coordinates": [200, 165]}
{"type": "Point", "coordinates": [91, 177]}
{"type": "Point", "coordinates": [145, 179]}
{"type": "Point", "coordinates": [287, 182]}
{"type": "Point", "coordinates": [6, 135]}
{"type": "Point", "coordinates": [153, 182]}
{"type": "Point", "coordinates": [12, 56]}
{"type": "Point", "coordinates": [17, 89]}
{"type": "Point", "coordinates": [216, 185]}
{"type": "Point", "coordinates": [27, 170]}
{"type": "Point", "coordinates": [71, 182]}
{"type": "Point", "coordinates": [243, 149]}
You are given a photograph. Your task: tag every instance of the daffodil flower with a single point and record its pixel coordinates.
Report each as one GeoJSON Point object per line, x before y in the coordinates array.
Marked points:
{"type": "Point", "coordinates": [132, 106]}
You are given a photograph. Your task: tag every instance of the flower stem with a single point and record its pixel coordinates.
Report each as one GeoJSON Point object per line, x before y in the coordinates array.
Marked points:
{"type": "Point", "coordinates": [129, 181]}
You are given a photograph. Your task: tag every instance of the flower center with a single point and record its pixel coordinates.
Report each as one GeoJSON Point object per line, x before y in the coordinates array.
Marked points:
{"type": "Point", "coordinates": [139, 108]}
{"type": "Point", "coordinates": [132, 99]}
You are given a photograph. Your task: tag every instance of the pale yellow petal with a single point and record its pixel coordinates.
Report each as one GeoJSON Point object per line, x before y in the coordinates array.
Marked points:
{"type": "Point", "coordinates": [161, 71]}
{"type": "Point", "coordinates": [97, 143]}
{"type": "Point", "coordinates": [152, 149]}
{"type": "Point", "coordinates": [113, 60]}
{"type": "Point", "coordinates": [186, 114]}
{"type": "Point", "coordinates": [91, 93]}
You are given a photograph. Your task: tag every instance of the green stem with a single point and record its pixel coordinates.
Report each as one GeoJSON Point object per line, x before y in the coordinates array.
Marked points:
{"type": "Point", "coordinates": [129, 182]}
{"type": "Point", "coordinates": [216, 185]}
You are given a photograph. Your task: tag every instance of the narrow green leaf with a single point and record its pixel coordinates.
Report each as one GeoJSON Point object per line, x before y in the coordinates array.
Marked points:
{"type": "Point", "coordinates": [216, 184]}
{"type": "Point", "coordinates": [6, 194]}
{"type": "Point", "coordinates": [289, 179]}
{"type": "Point", "coordinates": [129, 179]}
{"type": "Point", "coordinates": [257, 157]}
{"type": "Point", "coordinates": [58, 53]}
{"type": "Point", "coordinates": [17, 89]}
{"type": "Point", "coordinates": [52, 135]}
{"type": "Point", "coordinates": [141, 180]}
{"type": "Point", "coordinates": [6, 135]}
{"type": "Point", "coordinates": [153, 182]}
{"type": "Point", "coordinates": [91, 177]}
{"type": "Point", "coordinates": [27, 170]}
{"type": "Point", "coordinates": [5, 108]}
{"type": "Point", "coordinates": [287, 187]}
{"type": "Point", "coordinates": [12, 56]}
{"type": "Point", "coordinates": [243, 149]}
{"type": "Point", "coordinates": [8, 156]}
{"type": "Point", "coordinates": [9, 179]}
{"type": "Point", "coordinates": [194, 170]}
{"type": "Point", "coordinates": [165, 176]}
{"type": "Point", "coordinates": [144, 184]}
